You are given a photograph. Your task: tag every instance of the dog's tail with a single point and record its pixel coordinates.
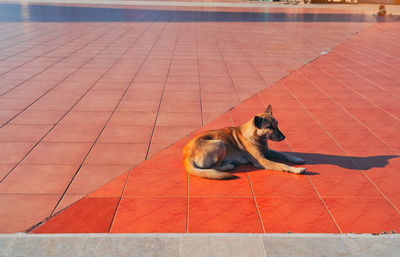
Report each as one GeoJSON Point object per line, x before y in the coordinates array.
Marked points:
{"type": "Point", "coordinates": [192, 168]}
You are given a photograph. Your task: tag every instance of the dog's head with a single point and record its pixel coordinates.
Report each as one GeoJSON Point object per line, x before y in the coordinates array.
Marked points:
{"type": "Point", "coordinates": [267, 126]}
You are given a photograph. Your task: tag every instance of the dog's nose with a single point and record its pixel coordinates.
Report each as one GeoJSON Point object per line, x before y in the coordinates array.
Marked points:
{"type": "Point", "coordinates": [283, 137]}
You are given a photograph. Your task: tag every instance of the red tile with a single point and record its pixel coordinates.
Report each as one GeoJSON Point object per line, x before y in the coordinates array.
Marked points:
{"type": "Point", "coordinates": [38, 179]}
{"type": "Point", "coordinates": [14, 104]}
{"type": "Point", "coordinates": [223, 215]}
{"type": "Point", "coordinates": [20, 212]}
{"type": "Point", "coordinates": [168, 159]}
{"type": "Point", "coordinates": [93, 104]}
{"type": "Point", "coordinates": [268, 183]}
{"type": "Point", "coordinates": [4, 170]}
{"type": "Point", "coordinates": [151, 215]}
{"type": "Point", "coordinates": [151, 183]}
{"type": "Point", "coordinates": [239, 187]}
{"type": "Point", "coordinates": [133, 119]}
{"type": "Point", "coordinates": [127, 105]}
{"type": "Point", "coordinates": [89, 215]}
{"type": "Point", "coordinates": [295, 215]}
{"type": "Point", "coordinates": [180, 106]}
{"type": "Point", "coordinates": [174, 118]}
{"type": "Point", "coordinates": [58, 153]}
{"type": "Point", "coordinates": [170, 134]}
{"type": "Point", "coordinates": [66, 201]}
{"type": "Point", "coordinates": [73, 133]}
{"type": "Point", "coordinates": [13, 152]}
{"type": "Point", "coordinates": [126, 134]}
{"type": "Point", "coordinates": [113, 188]}
{"type": "Point", "coordinates": [23, 133]}
{"type": "Point", "coordinates": [38, 117]}
{"type": "Point", "coordinates": [85, 118]}
{"type": "Point", "coordinates": [363, 215]}
{"type": "Point", "coordinates": [52, 104]}
{"type": "Point", "coordinates": [91, 177]}
{"type": "Point", "coordinates": [117, 154]}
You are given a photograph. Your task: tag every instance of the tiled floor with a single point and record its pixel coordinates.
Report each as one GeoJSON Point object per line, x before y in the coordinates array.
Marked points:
{"type": "Point", "coordinates": [88, 92]}
{"type": "Point", "coordinates": [340, 113]}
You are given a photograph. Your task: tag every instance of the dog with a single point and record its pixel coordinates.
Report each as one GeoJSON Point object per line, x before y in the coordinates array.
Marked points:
{"type": "Point", "coordinates": [212, 153]}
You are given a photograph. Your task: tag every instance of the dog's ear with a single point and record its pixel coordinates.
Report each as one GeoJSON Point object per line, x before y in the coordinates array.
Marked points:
{"type": "Point", "coordinates": [269, 109]}
{"type": "Point", "coordinates": [258, 122]}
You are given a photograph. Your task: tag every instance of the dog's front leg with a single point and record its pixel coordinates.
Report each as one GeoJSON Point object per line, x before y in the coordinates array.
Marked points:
{"type": "Point", "coordinates": [258, 159]}
{"type": "Point", "coordinates": [282, 156]}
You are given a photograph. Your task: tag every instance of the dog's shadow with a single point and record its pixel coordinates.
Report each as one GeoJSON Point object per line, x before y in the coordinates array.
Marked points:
{"type": "Point", "coordinates": [347, 162]}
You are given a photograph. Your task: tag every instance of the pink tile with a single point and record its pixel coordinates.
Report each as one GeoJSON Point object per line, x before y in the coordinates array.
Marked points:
{"type": "Point", "coordinates": [91, 177]}
{"type": "Point", "coordinates": [20, 212]}
{"type": "Point", "coordinates": [58, 153]}
{"type": "Point", "coordinates": [13, 152]}
{"type": "Point", "coordinates": [23, 133]}
{"type": "Point", "coordinates": [73, 133]}
{"type": "Point", "coordinates": [38, 179]}
{"type": "Point", "coordinates": [126, 134]}
{"type": "Point", "coordinates": [117, 154]}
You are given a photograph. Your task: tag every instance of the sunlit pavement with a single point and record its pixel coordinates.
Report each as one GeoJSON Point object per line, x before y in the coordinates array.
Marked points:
{"type": "Point", "coordinates": [89, 92]}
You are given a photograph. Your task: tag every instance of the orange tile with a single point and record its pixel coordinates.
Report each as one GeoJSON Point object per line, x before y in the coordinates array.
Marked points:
{"type": "Point", "coordinates": [363, 215]}
{"type": "Point", "coordinates": [295, 215]}
{"type": "Point", "coordinates": [268, 183]}
{"type": "Point", "coordinates": [89, 215]}
{"type": "Point", "coordinates": [218, 188]}
{"type": "Point", "coordinates": [91, 177]}
{"type": "Point", "coordinates": [156, 182]}
{"type": "Point", "coordinates": [117, 154]}
{"type": "Point", "coordinates": [13, 152]}
{"type": "Point", "coordinates": [113, 188]}
{"type": "Point", "coordinates": [386, 180]}
{"type": "Point", "coordinates": [38, 117]}
{"type": "Point", "coordinates": [56, 153]}
{"type": "Point", "coordinates": [38, 179]}
{"type": "Point", "coordinates": [223, 215]}
{"type": "Point", "coordinates": [73, 133]}
{"type": "Point", "coordinates": [23, 133]}
{"type": "Point", "coordinates": [151, 215]}
{"type": "Point", "coordinates": [20, 212]}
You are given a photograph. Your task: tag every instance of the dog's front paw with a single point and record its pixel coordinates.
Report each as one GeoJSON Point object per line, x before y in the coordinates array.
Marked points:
{"type": "Point", "coordinates": [297, 160]}
{"type": "Point", "coordinates": [298, 170]}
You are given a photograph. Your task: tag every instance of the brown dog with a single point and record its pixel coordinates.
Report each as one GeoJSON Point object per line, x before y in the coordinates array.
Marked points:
{"type": "Point", "coordinates": [211, 153]}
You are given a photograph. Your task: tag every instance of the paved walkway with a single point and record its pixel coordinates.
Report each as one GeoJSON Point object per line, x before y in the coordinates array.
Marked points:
{"type": "Point", "coordinates": [87, 93]}
{"type": "Point", "coordinates": [193, 245]}
{"type": "Point", "coordinates": [340, 113]}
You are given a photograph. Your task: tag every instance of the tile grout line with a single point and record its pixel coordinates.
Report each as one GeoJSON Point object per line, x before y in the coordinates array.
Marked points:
{"type": "Point", "coordinates": [50, 66]}
{"type": "Point", "coordinates": [301, 104]}
{"type": "Point", "coordinates": [109, 118]}
{"type": "Point", "coordinates": [198, 71]}
{"type": "Point", "coordinates": [362, 170]}
{"type": "Point", "coordinates": [163, 91]}
{"type": "Point", "coordinates": [120, 200]}
{"type": "Point", "coordinates": [364, 78]}
{"type": "Point", "coordinates": [57, 84]}
{"type": "Point", "coordinates": [53, 125]}
{"type": "Point", "coordinates": [308, 177]}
